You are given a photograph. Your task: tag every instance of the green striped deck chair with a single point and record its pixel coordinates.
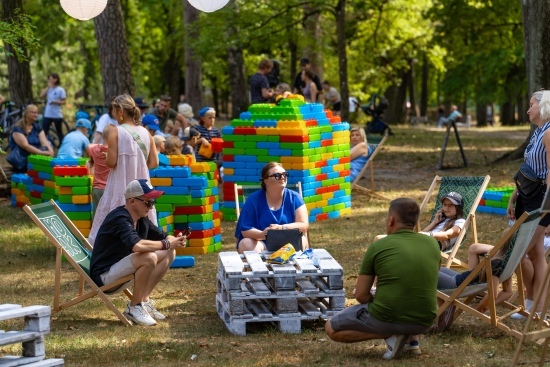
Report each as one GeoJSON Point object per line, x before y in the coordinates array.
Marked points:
{"type": "Point", "coordinates": [370, 166]}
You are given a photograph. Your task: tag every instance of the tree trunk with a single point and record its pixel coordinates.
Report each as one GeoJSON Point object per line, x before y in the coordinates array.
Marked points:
{"type": "Point", "coordinates": [507, 114]}
{"type": "Point", "coordinates": [342, 58]}
{"type": "Point", "coordinates": [237, 81]}
{"type": "Point", "coordinates": [172, 76]}
{"type": "Point", "coordinates": [114, 59]}
{"type": "Point", "coordinates": [313, 35]}
{"type": "Point", "coordinates": [481, 113]}
{"type": "Point", "coordinates": [412, 89]}
{"type": "Point", "coordinates": [19, 72]}
{"type": "Point", "coordinates": [293, 49]}
{"type": "Point", "coordinates": [424, 83]}
{"type": "Point", "coordinates": [523, 106]}
{"type": "Point", "coordinates": [396, 96]}
{"type": "Point", "coordinates": [193, 67]}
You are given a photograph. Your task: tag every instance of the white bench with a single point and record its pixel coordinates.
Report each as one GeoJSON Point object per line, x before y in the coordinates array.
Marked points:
{"type": "Point", "coordinates": [37, 324]}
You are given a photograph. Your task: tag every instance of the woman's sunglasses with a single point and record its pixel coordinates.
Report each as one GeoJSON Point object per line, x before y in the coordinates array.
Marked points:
{"type": "Point", "coordinates": [149, 204]}
{"type": "Point", "coordinates": [279, 176]}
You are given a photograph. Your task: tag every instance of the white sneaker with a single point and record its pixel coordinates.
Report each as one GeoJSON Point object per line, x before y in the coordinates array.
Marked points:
{"type": "Point", "coordinates": [152, 310]}
{"type": "Point", "coordinates": [395, 345]}
{"type": "Point", "coordinates": [518, 316]}
{"type": "Point", "coordinates": [139, 315]}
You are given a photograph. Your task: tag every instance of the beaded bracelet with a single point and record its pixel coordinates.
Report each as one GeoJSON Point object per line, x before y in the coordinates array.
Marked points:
{"type": "Point", "coordinates": [165, 244]}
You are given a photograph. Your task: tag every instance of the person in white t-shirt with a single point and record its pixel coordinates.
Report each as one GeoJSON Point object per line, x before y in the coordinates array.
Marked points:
{"type": "Point", "coordinates": [104, 120]}
{"type": "Point", "coordinates": [55, 98]}
{"type": "Point", "coordinates": [448, 222]}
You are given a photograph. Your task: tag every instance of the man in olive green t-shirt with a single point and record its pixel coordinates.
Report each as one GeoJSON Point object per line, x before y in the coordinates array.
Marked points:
{"type": "Point", "coordinates": [406, 266]}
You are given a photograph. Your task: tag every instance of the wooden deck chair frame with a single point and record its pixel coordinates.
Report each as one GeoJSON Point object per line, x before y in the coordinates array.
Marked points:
{"type": "Point", "coordinates": [525, 227]}
{"type": "Point", "coordinates": [528, 335]}
{"type": "Point", "coordinates": [450, 258]}
{"type": "Point", "coordinates": [236, 187]}
{"type": "Point", "coordinates": [69, 242]}
{"type": "Point", "coordinates": [370, 166]}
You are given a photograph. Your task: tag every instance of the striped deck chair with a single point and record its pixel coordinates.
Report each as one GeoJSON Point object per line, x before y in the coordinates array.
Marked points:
{"type": "Point", "coordinates": [370, 166]}
{"type": "Point", "coordinates": [471, 189]}
{"type": "Point", "coordinates": [520, 234]}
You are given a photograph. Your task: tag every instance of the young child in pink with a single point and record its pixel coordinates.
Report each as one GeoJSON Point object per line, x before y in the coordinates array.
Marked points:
{"type": "Point", "coordinates": [97, 154]}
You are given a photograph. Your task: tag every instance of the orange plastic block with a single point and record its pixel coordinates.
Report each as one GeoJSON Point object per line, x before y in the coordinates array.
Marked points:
{"type": "Point", "coordinates": [344, 160]}
{"type": "Point", "coordinates": [192, 251]}
{"type": "Point", "coordinates": [329, 113]}
{"type": "Point", "coordinates": [22, 199]}
{"type": "Point", "coordinates": [294, 159]}
{"type": "Point", "coordinates": [51, 184]}
{"type": "Point", "coordinates": [161, 181]}
{"type": "Point", "coordinates": [17, 192]}
{"type": "Point", "coordinates": [229, 171]}
{"type": "Point", "coordinates": [320, 164]}
{"type": "Point", "coordinates": [291, 124]}
{"type": "Point", "coordinates": [294, 132]}
{"type": "Point", "coordinates": [81, 199]}
{"type": "Point", "coordinates": [217, 230]}
{"type": "Point", "coordinates": [326, 143]}
{"type": "Point", "coordinates": [199, 242]}
{"type": "Point", "coordinates": [335, 120]}
{"type": "Point", "coordinates": [216, 215]}
{"type": "Point", "coordinates": [327, 195]}
{"type": "Point", "coordinates": [65, 190]}
{"type": "Point", "coordinates": [200, 167]}
{"type": "Point", "coordinates": [82, 224]}
{"type": "Point", "coordinates": [321, 177]}
{"type": "Point", "coordinates": [320, 190]}
{"type": "Point", "coordinates": [267, 131]}
{"type": "Point", "coordinates": [344, 173]}
{"type": "Point", "coordinates": [312, 122]}
{"type": "Point", "coordinates": [85, 231]}
{"type": "Point", "coordinates": [180, 160]}
{"type": "Point", "coordinates": [211, 200]}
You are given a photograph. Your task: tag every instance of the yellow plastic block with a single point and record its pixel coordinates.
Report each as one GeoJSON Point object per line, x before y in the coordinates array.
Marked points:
{"type": "Point", "coordinates": [294, 132]}
{"type": "Point", "coordinates": [326, 156]}
{"type": "Point", "coordinates": [200, 167]}
{"type": "Point", "coordinates": [82, 224]}
{"type": "Point", "coordinates": [161, 181]}
{"type": "Point", "coordinates": [267, 131]}
{"type": "Point", "coordinates": [22, 199]}
{"type": "Point", "coordinates": [345, 211]}
{"type": "Point", "coordinates": [291, 124]}
{"type": "Point", "coordinates": [65, 190]}
{"type": "Point", "coordinates": [179, 160]}
{"type": "Point", "coordinates": [199, 242]}
{"type": "Point", "coordinates": [228, 171]}
{"type": "Point", "coordinates": [81, 199]}
{"type": "Point", "coordinates": [287, 166]}
{"type": "Point", "coordinates": [192, 251]}
{"type": "Point", "coordinates": [85, 231]}
{"type": "Point", "coordinates": [294, 159]}
{"type": "Point", "coordinates": [338, 167]}
{"type": "Point", "coordinates": [49, 183]}
{"type": "Point", "coordinates": [338, 141]}
{"type": "Point", "coordinates": [327, 195]}
{"type": "Point", "coordinates": [340, 134]}
{"type": "Point", "coordinates": [310, 206]}
{"type": "Point", "coordinates": [17, 192]}
{"type": "Point", "coordinates": [209, 208]}
{"type": "Point", "coordinates": [170, 219]}
{"type": "Point", "coordinates": [217, 222]}
{"type": "Point", "coordinates": [322, 203]}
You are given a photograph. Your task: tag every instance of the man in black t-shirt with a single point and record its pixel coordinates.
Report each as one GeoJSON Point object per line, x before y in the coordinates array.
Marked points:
{"type": "Point", "coordinates": [259, 85]}
{"type": "Point", "coordinates": [299, 84]}
{"type": "Point", "coordinates": [129, 243]}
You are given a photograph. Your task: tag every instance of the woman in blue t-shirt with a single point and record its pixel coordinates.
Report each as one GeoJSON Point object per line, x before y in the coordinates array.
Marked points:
{"type": "Point", "coordinates": [272, 208]}
{"type": "Point", "coordinates": [360, 151]}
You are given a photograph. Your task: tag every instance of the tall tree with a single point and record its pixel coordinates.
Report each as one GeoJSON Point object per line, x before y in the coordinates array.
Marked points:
{"type": "Point", "coordinates": [340, 11]}
{"type": "Point", "coordinates": [116, 71]}
{"type": "Point", "coordinates": [19, 71]}
{"type": "Point", "coordinates": [193, 67]}
{"type": "Point", "coordinates": [536, 30]}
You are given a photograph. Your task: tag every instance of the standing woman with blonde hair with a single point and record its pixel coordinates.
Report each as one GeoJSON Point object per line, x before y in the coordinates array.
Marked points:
{"type": "Point", "coordinates": [131, 153]}
{"type": "Point", "coordinates": [536, 159]}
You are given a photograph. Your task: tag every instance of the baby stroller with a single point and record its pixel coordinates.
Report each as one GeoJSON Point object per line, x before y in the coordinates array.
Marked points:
{"type": "Point", "coordinates": [375, 108]}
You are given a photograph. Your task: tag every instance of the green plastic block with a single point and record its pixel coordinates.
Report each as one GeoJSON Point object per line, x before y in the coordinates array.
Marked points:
{"type": "Point", "coordinates": [79, 215]}
{"type": "Point", "coordinates": [42, 168]}
{"type": "Point", "coordinates": [81, 190]}
{"type": "Point", "coordinates": [210, 249]}
{"type": "Point", "coordinates": [339, 206]}
{"type": "Point", "coordinates": [316, 197]}
{"type": "Point", "coordinates": [244, 145]}
{"type": "Point", "coordinates": [314, 157]}
{"type": "Point", "coordinates": [255, 138]}
{"type": "Point", "coordinates": [321, 150]}
{"type": "Point", "coordinates": [339, 180]}
{"type": "Point", "coordinates": [65, 199]}
{"type": "Point", "coordinates": [173, 199]}
{"type": "Point", "coordinates": [307, 199]}
{"type": "Point", "coordinates": [239, 122]}
{"type": "Point", "coordinates": [327, 182]}
{"type": "Point", "coordinates": [332, 148]}
{"type": "Point", "coordinates": [346, 152]}
{"type": "Point", "coordinates": [229, 217]}
{"type": "Point", "coordinates": [212, 183]}
{"type": "Point", "coordinates": [217, 246]}
{"type": "Point", "coordinates": [267, 158]}
{"type": "Point", "coordinates": [347, 191]}
{"type": "Point", "coordinates": [234, 151]}
{"type": "Point", "coordinates": [51, 191]}
{"type": "Point", "coordinates": [47, 197]}
{"type": "Point", "coordinates": [347, 165]}
{"type": "Point", "coordinates": [292, 102]}
{"type": "Point", "coordinates": [197, 202]}
{"type": "Point", "coordinates": [338, 154]}
{"type": "Point", "coordinates": [231, 137]}
{"type": "Point", "coordinates": [257, 152]}
{"type": "Point", "coordinates": [326, 128]}
{"type": "Point", "coordinates": [315, 130]}
{"type": "Point", "coordinates": [314, 171]}
{"type": "Point", "coordinates": [345, 185]}
{"type": "Point", "coordinates": [297, 153]}
{"type": "Point", "coordinates": [162, 222]}
{"type": "Point", "coordinates": [328, 208]}
{"type": "Point", "coordinates": [73, 181]}
{"type": "Point", "coordinates": [273, 138]}
{"type": "Point", "coordinates": [160, 207]}
{"type": "Point", "coordinates": [200, 217]}
{"type": "Point", "coordinates": [314, 137]}
{"type": "Point", "coordinates": [181, 218]}
{"type": "Point", "coordinates": [344, 147]}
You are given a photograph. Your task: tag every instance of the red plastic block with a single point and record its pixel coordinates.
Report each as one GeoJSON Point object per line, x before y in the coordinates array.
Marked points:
{"type": "Point", "coordinates": [210, 200]}
{"type": "Point", "coordinates": [482, 202]}
{"type": "Point", "coordinates": [32, 173]}
{"type": "Point", "coordinates": [217, 230]}
{"type": "Point", "coordinates": [201, 234]}
{"type": "Point", "coordinates": [216, 215]}
{"type": "Point", "coordinates": [228, 144]}
{"type": "Point", "coordinates": [38, 181]}
{"type": "Point", "coordinates": [70, 171]}
{"type": "Point", "coordinates": [332, 188]}
{"type": "Point", "coordinates": [344, 160]}
{"type": "Point", "coordinates": [244, 131]}
{"type": "Point", "coordinates": [323, 216]}
{"type": "Point", "coordinates": [217, 144]}
{"type": "Point", "coordinates": [321, 177]}
{"type": "Point", "coordinates": [319, 164]}
{"type": "Point", "coordinates": [344, 173]}
{"type": "Point", "coordinates": [36, 194]}
{"type": "Point", "coordinates": [293, 139]}
{"type": "Point", "coordinates": [320, 190]}
{"type": "Point", "coordinates": [183, 210]}
{"type": "Point", "coordinates": [228, 158]}
{"type": "Point", "coordinates": [311, 122]}
{"type": "Point", "coordinates": [326, 143]}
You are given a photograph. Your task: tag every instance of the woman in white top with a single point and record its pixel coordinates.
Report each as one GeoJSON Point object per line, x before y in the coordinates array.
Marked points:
{"type": "Point", "coordinates": [448, 221]}
{"type": "Point", "coordinates": [55, 98]}
{"type": "Point", "coordinates": [105, 119]}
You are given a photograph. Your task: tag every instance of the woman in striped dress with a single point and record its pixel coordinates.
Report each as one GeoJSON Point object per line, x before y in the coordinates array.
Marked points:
{"type": "Point", "coordinates": [537, 156]}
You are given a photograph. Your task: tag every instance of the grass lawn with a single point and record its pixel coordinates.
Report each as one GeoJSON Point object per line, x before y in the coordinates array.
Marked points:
{"type": "Point", "coordinates": [193, 335]}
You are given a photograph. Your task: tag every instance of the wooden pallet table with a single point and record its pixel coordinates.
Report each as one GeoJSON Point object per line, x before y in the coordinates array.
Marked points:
{"type": "Point", "coordinates": [251, 290]}
{"type": "Point", "coordinates": [37, 324]}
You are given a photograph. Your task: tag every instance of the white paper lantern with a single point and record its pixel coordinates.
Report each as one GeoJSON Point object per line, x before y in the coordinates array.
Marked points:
{"type": "Point", "coordinates": [83, 9]}
{"type": "Point", "coordinates": [208, 6]}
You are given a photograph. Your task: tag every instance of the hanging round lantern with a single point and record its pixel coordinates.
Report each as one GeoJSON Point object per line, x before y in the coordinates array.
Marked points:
{"type": "Point", "coordinates": [83, 9]}
{"type": "Point", "coordinates": [208, 6]}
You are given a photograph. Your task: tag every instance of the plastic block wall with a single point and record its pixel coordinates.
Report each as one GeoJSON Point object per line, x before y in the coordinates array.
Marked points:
{"type": "Point", "coordinates": [311, 144]}
{"type": "Point", "coordinates": [495, 200]}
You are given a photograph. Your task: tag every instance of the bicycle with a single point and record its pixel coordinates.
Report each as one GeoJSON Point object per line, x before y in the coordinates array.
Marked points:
{"type": "Point", "coordinates": [99, 110]}
{"type": "Point", "coordinates": [8, 117]}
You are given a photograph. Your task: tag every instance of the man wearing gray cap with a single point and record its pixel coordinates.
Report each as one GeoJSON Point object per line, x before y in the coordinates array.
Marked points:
{"type": "Point", "coordinates": [129, 243]}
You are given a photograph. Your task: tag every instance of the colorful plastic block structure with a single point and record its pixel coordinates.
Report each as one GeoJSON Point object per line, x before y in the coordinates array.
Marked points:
{"type": "Point", "coordinates": [191, 201]}
{"type": "Point", "coordinates": [495, 200]}
{"type": "Point", "coordinates": [311, 144]}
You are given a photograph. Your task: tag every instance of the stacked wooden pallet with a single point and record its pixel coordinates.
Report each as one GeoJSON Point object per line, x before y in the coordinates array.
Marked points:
{"type": "Point", "coordinates": [251, 290]}
{"type": "Point", "coordinates": [37, 324]}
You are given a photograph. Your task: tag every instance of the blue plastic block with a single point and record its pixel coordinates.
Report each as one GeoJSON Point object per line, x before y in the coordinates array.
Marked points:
{"type": "Point", "coordinates": [307, 193]}
{"type": "Point", "coordinates": [323, 121]}
{"type": "Point", "coordinates": [183, 262]}
{"type": "Point", "coordinates": [245, 115]}
{"type": "Point", "coordinates": [265, 123]}
{"type": "Point", "coordinates": [64, 162]}
{"type": "Point", "coordinates": [174, 190]}
{"type": "Point", "coordinates": [268, 145]}
{"type": "Point", "coordinates": [216, 206]}
{"type": "Point", "coordinates": [315, 144]}
{"type": "Point", "coordinates": [334, 201]}
{"type": "Point", "coordinates": [326, 136]}
{"type": "Point", "coordinates": [244, 158]}
{"type": "Point", "coordinates": [218, 238]}
{"type": "Point", "coordinates": [228, 130]}
{"type": "Point", "coordinates": [333, 215]}
{"type": "Point", "coordinates": [193, 182]}
{"type": "Point", "coordinates": [332, 161]}
{"type": "Point", "coordinates": [231, 204]}
{"type": "Point", "coordinates": [197, 193]}
{"type": "Point", "coordinates": [316, 211]}
{"type": "Point", "coordinates": [33, 187]}
{"type": "Point", "coordinates": [251, 165]}
{"type": "Point", "coordinates": [232, 164]}
{"type": "Point", "coordinates": [19, 177]}
{"type": "Point", "coordinates": [163, 214]}
{"type": "Point", "coordinates": [333, 175]}
{"type": "Point", "coordinates": [173, 172]}
{"type": "Point", "coordinates": [280, 152]}
{"type": "Point", "coordinates": [499, 211]}
{"type": "Point", "coordinates": [163, 160]}
{"type": "Point", "coordinates": [327, 169]}
{"type": "Point", "coordinates": [75, 207]}
{"type": "Point", "coordinates": [201, 226]}
{"type": "Point", "coordinates": [246, 172]}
